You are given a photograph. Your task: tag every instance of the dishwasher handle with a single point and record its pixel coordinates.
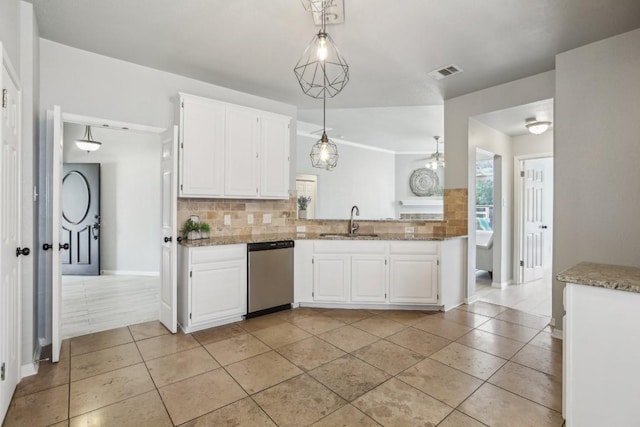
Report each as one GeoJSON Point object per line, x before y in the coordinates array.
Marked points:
{"type": "Point", "coordinates": [267, 246]}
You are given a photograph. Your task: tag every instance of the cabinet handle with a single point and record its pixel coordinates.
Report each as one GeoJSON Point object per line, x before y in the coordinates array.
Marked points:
{"type": "Point", "coordinates": [47, 246]}
{"type": "Point", "coordinates": [65, 247]}
{"type": "Point", "coordinates": [23, 251]}
{"type": "Point", "coordinates": [168, 239]}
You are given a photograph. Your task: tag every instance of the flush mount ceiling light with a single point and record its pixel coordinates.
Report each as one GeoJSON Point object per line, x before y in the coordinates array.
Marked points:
{"type": "Point", "coordinates": [87, 143]}
{"type": "Point", "coordinates": [436, 160]}
{"type": "Point", "coordinates": [537, 127]}
{"type": "Point", "coordinates": [322, 69]}
{"type": "Point", "coordinates": [324, 153]}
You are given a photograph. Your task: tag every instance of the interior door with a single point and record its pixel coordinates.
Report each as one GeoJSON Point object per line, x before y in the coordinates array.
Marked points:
{"type": "Point", "coordinates": [533, 239]}
{"type": "Point", "coordinates": [81, 219]}
{"type": "Point", "coordinates": [9, 240]}
{"type": "Point", "coordinates": [169, 279]}
{"type": "Point", "coordinates": [56, 141]}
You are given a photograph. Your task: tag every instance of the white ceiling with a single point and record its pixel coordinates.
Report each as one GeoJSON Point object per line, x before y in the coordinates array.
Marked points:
{"type": "Point", "coordinates": [253, 45]}
{"type": "Point", "coordinates": [512, 120]}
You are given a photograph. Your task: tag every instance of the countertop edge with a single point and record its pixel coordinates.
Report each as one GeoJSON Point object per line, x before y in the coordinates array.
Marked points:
{"type": "Point", "coordinates": [606, 276]}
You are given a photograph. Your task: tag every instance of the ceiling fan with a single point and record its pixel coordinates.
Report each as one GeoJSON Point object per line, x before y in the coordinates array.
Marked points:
{"type": "Point", "coordinates": [435, 160]}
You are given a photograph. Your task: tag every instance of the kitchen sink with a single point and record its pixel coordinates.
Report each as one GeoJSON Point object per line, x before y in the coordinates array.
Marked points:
{"type": "Point", "coordinates": [345, 235]}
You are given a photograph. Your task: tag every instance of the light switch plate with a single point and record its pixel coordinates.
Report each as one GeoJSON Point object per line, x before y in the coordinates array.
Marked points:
{"type": "Point", "coordinates": [249, 218]}
{"type": "Point", "coordinates": [227, 220]}
{"type": "Point", "coordinates": [408, 230]}
{"type": "Point", "coordinates": [266, 218]}
{"type": "Point", "coordinates": [301, 229]}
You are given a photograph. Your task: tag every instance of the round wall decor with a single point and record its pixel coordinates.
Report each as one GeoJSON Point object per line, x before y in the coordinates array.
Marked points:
{"type": "Point", "coordinates": [424, 182]}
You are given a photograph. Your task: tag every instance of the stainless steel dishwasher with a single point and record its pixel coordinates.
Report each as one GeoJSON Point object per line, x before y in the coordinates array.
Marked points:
{"type": "Point", "coordinates": [270, 273]}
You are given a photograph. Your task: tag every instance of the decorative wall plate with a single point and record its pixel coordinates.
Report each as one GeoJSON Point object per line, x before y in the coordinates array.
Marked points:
{"type": "Point", "coordinates": [424, 182]}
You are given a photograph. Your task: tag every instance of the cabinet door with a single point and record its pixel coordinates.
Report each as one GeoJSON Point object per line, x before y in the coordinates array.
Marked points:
{"type": "Point", "coordinates": [202, 130]}
{"type": "Point", "coordinates": [368, 278]}
{"type": "Point", "coordinates": [330, 277]}
{"type": "Point", "coordinates": [241, 153]}
{"type": "Point", "coordinates": [413, 279]}
{"type": "Point", "coordinates": [218, 289]}
{"type": "Point", "coordinates": [274, 156]}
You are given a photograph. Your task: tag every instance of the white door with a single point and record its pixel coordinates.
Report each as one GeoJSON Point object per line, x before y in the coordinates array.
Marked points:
{"type": "Point", "coordinates": [55, 140]}
{"type": "Point", "coordinates": [369, 278]}
{"type": "Point", "coordinates": [241, 153]}
{"type": "Point", "coordinates": [274, 156]}
{"type": "Point", "coordinates": [10, 240]}
{"type": "Point", "coordinates": [533, 239]}
{"type": "Point", "coordinates": [169, 279]}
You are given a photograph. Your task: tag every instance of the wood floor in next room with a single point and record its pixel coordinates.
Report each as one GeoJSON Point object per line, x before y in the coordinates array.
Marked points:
{"type": "Point", "coordinates": [476, 365]}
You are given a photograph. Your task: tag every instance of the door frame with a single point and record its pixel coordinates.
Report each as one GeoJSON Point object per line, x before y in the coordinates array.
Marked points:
{"type": "Point", "coordinates": [46, 272]}
{"type": "Point", "coordinates": [518, 211]}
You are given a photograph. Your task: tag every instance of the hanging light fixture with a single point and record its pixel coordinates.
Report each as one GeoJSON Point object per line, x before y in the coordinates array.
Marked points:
{"type": "Point", "coordinates": [87, 143]}
{"type": "Point", "coordinates": [322, 68]}
{"type": "Point", "coordinates": [436, 160]}
{"type": "Point", "coordinates": [537, 127]}
{"type": "Point", "coordinates": [324, 153]}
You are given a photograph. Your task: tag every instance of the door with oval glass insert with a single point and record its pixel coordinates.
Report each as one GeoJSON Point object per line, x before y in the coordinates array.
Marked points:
{"type": "Point", "coordinates": [80, 219]}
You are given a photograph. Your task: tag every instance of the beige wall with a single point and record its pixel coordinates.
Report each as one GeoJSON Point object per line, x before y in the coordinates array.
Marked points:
{"type": "Point", "coordinates": [597, 156]}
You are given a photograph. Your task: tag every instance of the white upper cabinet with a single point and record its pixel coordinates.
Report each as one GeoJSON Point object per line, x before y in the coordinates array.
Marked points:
{"type": "Point", "coordinates": [232, 151]}
{"type": "Point", "coordinates": [274, 156]}
{"type": "Point", "coordinates": [242, 151]}
{"type": "Point", "coordinates": [202, 130]}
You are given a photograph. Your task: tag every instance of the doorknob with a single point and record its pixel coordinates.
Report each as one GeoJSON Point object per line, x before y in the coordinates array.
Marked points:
{"type": "Point", "coordinates": [168, 239]}
{"type": "Point", "coordinates": [47, 246]}
{"type": "Point", "coordinates": [65, 246]}
{"type": "Point", "coordinates": [23, 251]}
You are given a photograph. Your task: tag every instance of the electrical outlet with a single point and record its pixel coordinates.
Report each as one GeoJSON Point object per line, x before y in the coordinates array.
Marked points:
{"type": "Point", "coordinates": [408, 230]}
{"type": "Point", "coordinates": [266, 218]}
{"type": "Point", "coordinates": [301, 229]}
{"type": "Point", "coordinates": [249, 218]}
{"type": "Point", "coordinates": [227, 220]}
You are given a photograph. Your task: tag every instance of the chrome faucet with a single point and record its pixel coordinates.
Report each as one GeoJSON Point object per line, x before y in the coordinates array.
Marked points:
{"type": "Point", "coordinates": [353, 226]}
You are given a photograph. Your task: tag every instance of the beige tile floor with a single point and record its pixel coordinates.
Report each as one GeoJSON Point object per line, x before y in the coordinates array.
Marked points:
{"type": "Point", "coordinates": [532, 297]}
{"type": "Point", "coordinates": [477, 365]}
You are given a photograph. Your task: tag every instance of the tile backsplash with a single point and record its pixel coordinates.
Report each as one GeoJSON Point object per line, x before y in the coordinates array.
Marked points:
{"type": "Point", "coordinates": [251, 217]}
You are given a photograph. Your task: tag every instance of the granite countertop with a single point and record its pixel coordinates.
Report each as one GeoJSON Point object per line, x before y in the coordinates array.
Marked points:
{"type": "Point", "coordinates": [608, 276]}
{"type": "Point", "coordinates": [257, 238]}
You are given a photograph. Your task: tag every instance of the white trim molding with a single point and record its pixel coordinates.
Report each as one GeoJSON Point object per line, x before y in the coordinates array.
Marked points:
{"type": "Point", "coordinates": [129, 273]}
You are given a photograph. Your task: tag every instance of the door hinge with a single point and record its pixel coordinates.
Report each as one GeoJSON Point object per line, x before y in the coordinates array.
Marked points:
{"type": "Point", "coordinates": [437, 262]}
{"type": "Point", "coordinates": [521, 263]}
{"type": "Point", "coordinates": [4, 98]}
{"type": "Point", "coordinates": [385, 262]}
{"type": "Point", "coordinates": [191, 274]}
{"type": "Point", "coordinates": [182, 104]}
{"type": "Point", "coordinates": [2, 371]}
{"type": "Point", "coordinates": [521, 174]}
{"type": "Point", "coordinates": [190, 315]}
{"type": "Point", "coordinates": [313, 294]}
{"type": "Point", "coordinates": [385, 296]}
{"type": "Point", "coordinates": [313, 260]}
{"type": "Point", "coordinates": [181, 187]}
{"type": "Point", "coordinates": [182, 145]}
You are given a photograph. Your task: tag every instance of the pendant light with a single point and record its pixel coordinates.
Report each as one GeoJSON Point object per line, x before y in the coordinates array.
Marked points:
{"type": "Point", "coordinates": [316, 6]}
{"type": "Point", "coordinates": [322, 69]}
{"type": "Point", "coordinates": [324, 153]}
{"type": "Point", "coordinates": [87, 143]}
{"type": "Point", "coordinates": [436, 160]}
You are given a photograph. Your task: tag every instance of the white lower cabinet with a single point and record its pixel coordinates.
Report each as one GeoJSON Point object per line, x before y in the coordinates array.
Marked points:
{"type": "Point", "coordinates": [212, 286]}
{"type": "Point", "coordinates": [369, 278]}
{"type": "Point", "coordinates": [373, 272]}
{"type": "Point", "coordinates": [414, 279]}
{"type": "Point", "coordinates": [330, 277]}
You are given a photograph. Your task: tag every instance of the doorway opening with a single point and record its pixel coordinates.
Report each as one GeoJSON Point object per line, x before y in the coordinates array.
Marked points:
{"type": "Point", "coordinates": [484, 218]}
{"type": "Point", "coordinates": [111, 221]}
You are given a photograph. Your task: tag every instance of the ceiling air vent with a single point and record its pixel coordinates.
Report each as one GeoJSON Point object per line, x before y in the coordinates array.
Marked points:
{"type": "Point", "coordinates": [444, 72]}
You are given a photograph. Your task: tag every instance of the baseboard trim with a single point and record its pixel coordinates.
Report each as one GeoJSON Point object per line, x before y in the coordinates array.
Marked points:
{"type": "Point", "coordinates": [129, 273]}
{"type": "Point", "coordinates": [29, 369]}
{"type": "Point", "coordinates": [471, 299]}
{"type": "Point", "coordinates": [557, 334]}
{"type": "Point", "coordinates": [365, 306]}
{"type": "Point", "coordinates": [500, 285]}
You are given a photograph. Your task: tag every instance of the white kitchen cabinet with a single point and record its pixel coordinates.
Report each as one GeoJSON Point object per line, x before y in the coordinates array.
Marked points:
{"type": "Point", "coordinates": [202, 131]}
{"type": "Point", "coordinates": [274, 156]}
{"type": "Point", "coordinates": [413, 279]}
{"type": "Point", "coordinates": [369, 278]}
{"type": "Point", "coordinates": [330, 277]}
{"type": "Point", "coordinates": [242, 142]}
{"type": "Point", "coordinates": [231, 151]}
{"type": "Point", "coordinates": [212, 286]}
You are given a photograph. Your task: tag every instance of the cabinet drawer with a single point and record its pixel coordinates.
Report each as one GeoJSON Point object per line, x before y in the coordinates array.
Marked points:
{"type": "Point", "coordinates": [349, 247]}
{"type": "Point", "coordinates": [218, 253]}
{"type": "Point", "coordinates": [427, 248]}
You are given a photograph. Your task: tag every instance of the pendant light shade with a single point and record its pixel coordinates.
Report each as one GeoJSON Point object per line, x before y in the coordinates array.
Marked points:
{"type": "Point", "coordinates": [436, 160]}
{"type": "Point", "coordinates": [87, 143]}
{"type": "Point", "coordinates": [324, 153]}
{"type": "Point", "coordinates": [321, 71]}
